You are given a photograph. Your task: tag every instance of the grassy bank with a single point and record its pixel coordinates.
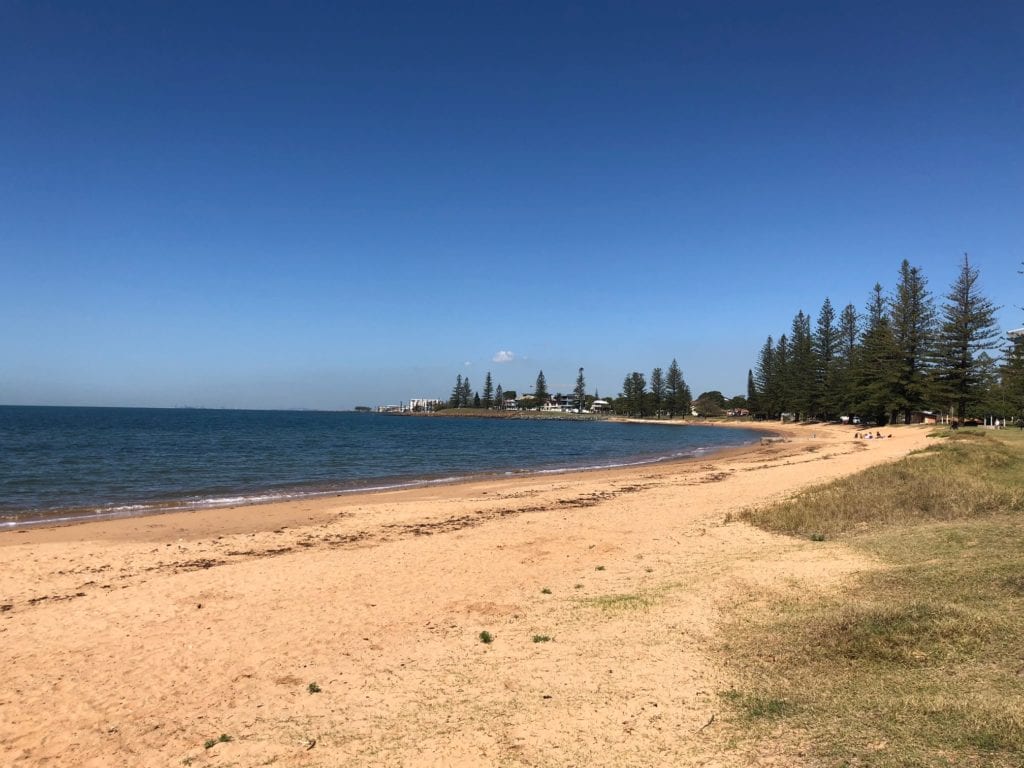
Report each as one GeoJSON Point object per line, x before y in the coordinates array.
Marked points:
{"type": "Point", "coordinates": [919, 663]}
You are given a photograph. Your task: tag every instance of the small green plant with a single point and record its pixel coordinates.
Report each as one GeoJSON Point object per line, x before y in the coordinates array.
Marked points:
{"type": "Point", "coordinates": [222, 739]}
{"type": "Point", "coordinates": [486, 637]}
{"type": "Point", "coordinates": [817, 537]}
{"type": "Point", "coordinates": [542, 638]}
{"type": "Point", "coordinates": [599, 568]}
{"type": "Point", "coordinates": [313, 688]}
{"type": "Point", "coordinates": [577, 586]}
{"type": "Point", "coordinates": [648, 569]}
{"type": "Point", "coordinates": [546, 591]}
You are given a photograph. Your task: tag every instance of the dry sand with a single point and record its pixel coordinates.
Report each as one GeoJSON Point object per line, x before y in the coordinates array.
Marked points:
{"type": "Point", "coordinates": [132, 642]}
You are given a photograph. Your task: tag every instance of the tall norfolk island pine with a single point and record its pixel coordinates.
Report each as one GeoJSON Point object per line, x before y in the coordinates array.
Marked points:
{"type": "Point", "coordinates": [540, 390]}
{"type": "Point", "coordinates": [580, 392]}
{"type": "Point", "coordinates": [968, 329]}
{"type": "Point", "coordinates": [913, 325]}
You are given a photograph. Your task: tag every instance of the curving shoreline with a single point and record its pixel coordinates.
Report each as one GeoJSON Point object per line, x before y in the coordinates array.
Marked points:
{"type": "Point", "coordinates": [129, 508]}
{"type": "Point", "coordinates": [132, 641]}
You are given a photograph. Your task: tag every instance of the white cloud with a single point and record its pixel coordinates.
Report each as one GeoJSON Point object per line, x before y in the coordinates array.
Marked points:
{"type": "Point", "coordinates": [503, 356]}
{"type": "Point", "coordinates": [467, 363]}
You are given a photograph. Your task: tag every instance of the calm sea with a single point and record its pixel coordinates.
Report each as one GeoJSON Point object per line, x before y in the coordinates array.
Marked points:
{"type": "Point", "coordinates": [65, 462]}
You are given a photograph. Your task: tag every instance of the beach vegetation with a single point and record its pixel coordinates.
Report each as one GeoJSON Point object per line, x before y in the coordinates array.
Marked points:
{"type": "Point", "coordinates": [580, 391]}
{"type": "Point", "coordinates": [677, 393]}
{"type": "Point", "coordinates": [486, 637]}
{"type": "Point", "coordinates": [968, 329]}
{"type": "Point", "coordinates": [546, 591]}
{"type": "Point", "coordinates": [540, 390]}
{"type": "Point", "coordinates": [222, 739]}
{"type": "Point", "coordinates": [916, 661]}
{"type": "Point", "coordinates": [542, 638]}
{"type": "Point", "coordinates": [657, 395]}
{"type": "Point", "coordinates": [313, 688]}
{"type": "Point", "coordinates": [487, 401]}
{"type": "Point", "coordinates": [897, 362]}
{"type": "Point", "coordinates": [619, 602]}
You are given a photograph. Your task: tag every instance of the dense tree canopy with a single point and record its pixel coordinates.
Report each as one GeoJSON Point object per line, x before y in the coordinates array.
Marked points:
{"type": "Point", "coordinates": [899, 358]}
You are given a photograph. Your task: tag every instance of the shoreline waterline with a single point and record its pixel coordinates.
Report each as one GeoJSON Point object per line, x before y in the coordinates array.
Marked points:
{"type": "Point", "coordinates": [68, 517]}
{"type": "Point", "coordinates": [63, 464]}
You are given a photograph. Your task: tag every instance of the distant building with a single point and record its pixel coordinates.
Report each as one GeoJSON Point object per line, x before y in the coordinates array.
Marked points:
{"type": "Point", "coordinates": [600, 406]}
{"type": "Point", "coordinates": [423, 404]}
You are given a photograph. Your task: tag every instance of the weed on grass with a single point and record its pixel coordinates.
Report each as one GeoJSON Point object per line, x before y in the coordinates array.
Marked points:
{"type": "Point", "coordinates": [486, 637]}
{"type": "Point", "coordinates": [917, 663]}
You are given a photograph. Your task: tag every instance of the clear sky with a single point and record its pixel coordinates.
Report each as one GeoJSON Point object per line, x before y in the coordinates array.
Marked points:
{"type": "Point", "coordinates": [324, 205]}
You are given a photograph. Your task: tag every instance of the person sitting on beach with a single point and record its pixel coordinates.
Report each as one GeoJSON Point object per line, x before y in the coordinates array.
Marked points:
{"type": "Point", "coordinates": [856, 435]}
{"type": "Point", "coordinates": [867, 435]}
{"type": "Point", "coordinates": [878, 435]}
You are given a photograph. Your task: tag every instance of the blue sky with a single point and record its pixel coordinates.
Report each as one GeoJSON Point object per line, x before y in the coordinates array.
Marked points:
{"type": "Point", "coordinates": [325, 205]}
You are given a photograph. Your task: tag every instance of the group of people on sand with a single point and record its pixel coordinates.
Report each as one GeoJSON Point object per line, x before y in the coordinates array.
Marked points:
{"type": "Point", "coordinates": [869, 436]}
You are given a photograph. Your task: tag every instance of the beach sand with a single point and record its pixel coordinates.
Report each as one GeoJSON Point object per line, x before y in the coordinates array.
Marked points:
{"type": "Point", "coordinates": [132, 642]}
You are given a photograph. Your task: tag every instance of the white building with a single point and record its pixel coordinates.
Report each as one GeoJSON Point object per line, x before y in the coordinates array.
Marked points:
{"type": "Point", "coordinates": [423, 404]}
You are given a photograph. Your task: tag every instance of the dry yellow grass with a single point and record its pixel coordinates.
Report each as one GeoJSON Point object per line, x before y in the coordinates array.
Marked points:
{"type": "Point", "coordinates": [919, 662]}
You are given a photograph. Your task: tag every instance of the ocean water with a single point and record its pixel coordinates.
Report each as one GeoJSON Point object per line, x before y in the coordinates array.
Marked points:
{"type": "Point", "coordinates": [58, 462]}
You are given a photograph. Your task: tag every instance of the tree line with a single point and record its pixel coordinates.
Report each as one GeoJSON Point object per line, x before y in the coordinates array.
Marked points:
{"type": "Point", "coordinates": [902, 355]}
{"type": "Point", "coordinates": [666, 393]}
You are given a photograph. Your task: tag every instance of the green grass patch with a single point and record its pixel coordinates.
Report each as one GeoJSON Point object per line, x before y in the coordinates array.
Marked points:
{"type": "Point", "coordinates": [486, 637]}
{"type": "Point", "coordinates": [542, 638]}
{"type": "Point", "coordinates": [919, 663]}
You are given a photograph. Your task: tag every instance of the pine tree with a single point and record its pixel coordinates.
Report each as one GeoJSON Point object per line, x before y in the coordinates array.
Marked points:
{"type": "Point", "coordinates": [782, 372]}
{"type": "Point", "coordinates": [499, 398]}
{"type": "Point", "coordinates": [765, 385]}
{"type": "Point", "coordinates": [825, 343]}
{"type": "Point", "coordinates": [476, 400]}
{"type": "Point", "coordinates": [1012, 374]}
{"type": "Point", "coordinates": [657, 391]}
{"type": "Point", "coordinates": [968, 328]}
{"type": "Point", "coordinates": [753, 399]}
{"type": "Point", "coordinates": [876, 368]}
{"type": "Point", "coordinates": [802, 368]}
{"type": "Point", "coordinates": [634, 387]}
{"type": "Point", "coordinates": [846, 350]}
{"type": "Point", "coordinates": [456, 399]}
{"type": "Point", "coordinates": [488, 398]}
{"type": "Point", "coordinates": [580, 392]}
{"type": "Point", "coordinates": [540, 391]}
{"type": "Point", "coordinates": [677, 393]}
{"type": "Point", "coordinates": [913, 321]}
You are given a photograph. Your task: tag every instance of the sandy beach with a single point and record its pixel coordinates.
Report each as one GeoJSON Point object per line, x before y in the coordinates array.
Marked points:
{"type": "Point", "coordinates": [133, 642]}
